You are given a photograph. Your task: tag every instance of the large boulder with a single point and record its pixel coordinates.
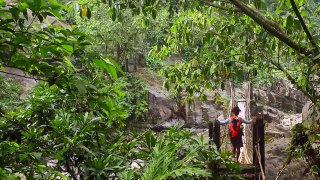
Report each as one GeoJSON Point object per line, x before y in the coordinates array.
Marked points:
{"type": "Point", "coordinates": [160, 105]}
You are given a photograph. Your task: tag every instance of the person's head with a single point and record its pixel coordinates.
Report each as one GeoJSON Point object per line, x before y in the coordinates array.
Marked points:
{"type": "Point", "coordinates": [235, 111]}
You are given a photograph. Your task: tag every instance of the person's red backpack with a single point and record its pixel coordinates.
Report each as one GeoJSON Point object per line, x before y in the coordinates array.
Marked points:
{"type": "Point", "coordinates": [235, 129]}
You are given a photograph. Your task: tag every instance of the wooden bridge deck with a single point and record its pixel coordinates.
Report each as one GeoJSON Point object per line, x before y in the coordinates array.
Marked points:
{"type": "Point", "coordinates": [247, 171]}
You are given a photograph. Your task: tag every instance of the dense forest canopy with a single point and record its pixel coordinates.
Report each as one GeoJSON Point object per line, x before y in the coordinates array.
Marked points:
{"type": "Point", "coordinates": [72, 125]}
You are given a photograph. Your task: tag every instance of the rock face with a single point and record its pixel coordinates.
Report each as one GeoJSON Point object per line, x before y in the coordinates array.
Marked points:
{"type": "Point", "coordinates": [283, 107]}
{"type": "Point", "coordinates": [310, 114]}
{"type": "Point", "coordinates": [163, 109]}
{"type": "Point", "coordinates": [275, 157]}
{"type": "Point", "coordinates": [160, 105]}
{"type": "Point", "coordinates": [281, 95]}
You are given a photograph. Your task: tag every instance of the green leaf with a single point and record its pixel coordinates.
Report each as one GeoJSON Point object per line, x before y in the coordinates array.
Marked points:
{"type": "Point", "coordinates": [101, 63]}
{"type": "Point", "coordinates": [106, 65]}
{"type": "Point", "coordinates": [86, 149]}
{"type": "Point", "coordinates": [56, 13]}
{"type": "Point", "coordinates": [36, 5]}
{"type": "Point", "coordinates": [106, 105]}
{"type": "Point", "coordinates": [316, 10]}
{"type": "Point", "coordinates": [69, 64]}
{"type": "Point", "coordinates": [37, 155]}
{"type": "Point", "coordinates": [80, 86]}
{"type": "Point", "coordinates": [43, 52]}
{"type": "Point", "coordinates": [2, 3]}
{"type": "Point", "coordinates": [127, 175]}
{"type": "Point", "coordinates": [110, 12]}
{"type": "Point", "coordinates": [154, 13]}
{"type": "Point", "coordinates": [23, 6]}
{"type": "Point", "coordinates": [166, 85]}
{"type": "Point", "coordinates": [115, 64]}
{"type": "Point", "coordinates": [15, 13]}
{"type": "Point", "coordinates": [150, 139]}
{"type": "Point", "coordinates": [56, 5]}
{"type": "Point", "coordinates": [111, 70]}
{"type": "Point", "coordinates": [68, 48]}
{"type": "Point", "coordinates": [89, 13]}
{"type": "Point", "coordinates": [114, 14]}
{"type": "Point", "coordinates": [290, 21]}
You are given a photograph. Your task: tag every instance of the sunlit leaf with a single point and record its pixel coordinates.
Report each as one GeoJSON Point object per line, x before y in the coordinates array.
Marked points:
{"type": "Point", "coordinates": [68, 48]}
{"type": "Point", "coordinates": [106, 65]}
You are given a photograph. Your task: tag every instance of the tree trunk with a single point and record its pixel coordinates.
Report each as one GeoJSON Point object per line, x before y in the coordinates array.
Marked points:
{"type": "Point", "coordinates": [127, 65]}
{"type": "Point", "coordinates": [118, 52]}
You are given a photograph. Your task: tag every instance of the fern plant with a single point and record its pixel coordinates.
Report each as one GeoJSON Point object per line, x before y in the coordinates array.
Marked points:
{"type": "Point", "coordinates": [174, 154]}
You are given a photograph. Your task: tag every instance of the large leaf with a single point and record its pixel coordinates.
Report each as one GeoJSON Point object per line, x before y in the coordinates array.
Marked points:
{"type": "Point", "coordinates": [150, 139]}
{"type": "Point", "coordinates": [68, 48]}
{"type": "Point", "coordinates": [69, 64]}
{"type": "Point", "coordinates": [115, 64]}
{"type": "Point", "coordinates": [106, 65]}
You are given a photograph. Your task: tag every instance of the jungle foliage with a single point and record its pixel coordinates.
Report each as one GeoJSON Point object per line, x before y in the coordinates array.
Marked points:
{"type": "Point", "coordinates": [71, 125]}
{"type": "Point", "coordinates": [228, 39]}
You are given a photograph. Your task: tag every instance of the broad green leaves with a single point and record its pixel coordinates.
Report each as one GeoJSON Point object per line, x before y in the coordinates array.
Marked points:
{"type": "Point", "coordinates": [105, 64]}
{"type": "Point", "coordinates": [63, 126]}
{"type": "Point", "coordinates": [34, 40]}
{"type": "Point", "coordinates": [219, 32]}
{"type": "Point", "coordinates": [68, 48]}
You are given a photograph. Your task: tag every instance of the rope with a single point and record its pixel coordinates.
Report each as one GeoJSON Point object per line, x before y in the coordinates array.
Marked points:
{"type": "Point", "coordinates": [260, 163]}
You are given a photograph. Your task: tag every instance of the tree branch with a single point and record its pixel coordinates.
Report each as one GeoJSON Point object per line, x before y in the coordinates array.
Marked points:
{"type": "Point", "coordinates": [304, 26]}
{"type": "Point", "coordinates": [270, 26]}
{"type": "Point", "coordinates": [220, 7]}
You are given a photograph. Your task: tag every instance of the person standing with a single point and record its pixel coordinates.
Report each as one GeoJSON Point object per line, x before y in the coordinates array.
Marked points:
{"type": "Point", "coordinates": [236, 130]}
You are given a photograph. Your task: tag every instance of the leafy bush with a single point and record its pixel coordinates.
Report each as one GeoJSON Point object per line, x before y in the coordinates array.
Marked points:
{"type": "Point", "coordinates": [174, 154]}
{"type": "Point", "coordinates": [9, 92]}
{"type": "Point", "coordinates": [58, 134]}
{"type": "Point", "coordinates": [155, 63]}
{"type": "Point", "coordinates": [134, 99]}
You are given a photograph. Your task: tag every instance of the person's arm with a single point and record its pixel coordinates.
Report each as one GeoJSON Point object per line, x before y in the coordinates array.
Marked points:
{"type": "Point", "coordinates": [246, 121]}
{"type": "Point", "coordinates": [253, 120]}
{"type": "Point", "coordinates": [225, 121]}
